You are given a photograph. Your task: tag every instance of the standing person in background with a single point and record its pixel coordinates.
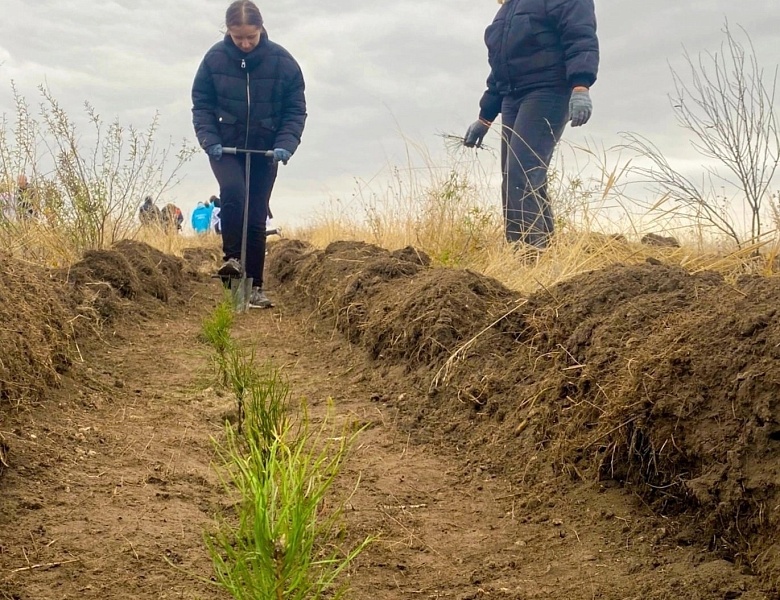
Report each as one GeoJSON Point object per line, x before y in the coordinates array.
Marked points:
{"type": "Point", "coordinates": [201, 218]}
{"type": "Point", "coordinates": [248, 93]}
{"type": "Point", "coordinates": [149, 214]}
{"type": "Point", "coordinates": [544, 57]}
{"type": "Point", "coordinates": [216, 224]}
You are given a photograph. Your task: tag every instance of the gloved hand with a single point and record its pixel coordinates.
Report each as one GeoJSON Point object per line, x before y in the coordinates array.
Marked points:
{"type": "Point", "coordinates": [476, 133]}
{"type": "Point", "coordinates": [215, 151]}
{"type": "Point", "coordinates": [580, 107]}
{"type": "Point", "coordinates": [281, 155]}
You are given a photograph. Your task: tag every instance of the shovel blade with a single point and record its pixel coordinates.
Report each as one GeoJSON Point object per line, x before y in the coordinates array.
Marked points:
{"type": "Point", "coordinates": [240, 292]}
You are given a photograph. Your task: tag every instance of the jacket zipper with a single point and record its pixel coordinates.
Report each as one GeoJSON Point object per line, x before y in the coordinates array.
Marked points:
{"type": "Point", "coordinates": [248, 104]}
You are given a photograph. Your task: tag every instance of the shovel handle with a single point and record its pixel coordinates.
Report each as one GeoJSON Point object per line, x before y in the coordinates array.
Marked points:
{"type": "Point", "coordinates": [232, 150]}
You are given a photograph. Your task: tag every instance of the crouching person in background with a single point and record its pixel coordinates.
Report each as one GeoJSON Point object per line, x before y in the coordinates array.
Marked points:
{"type": "Point", "coordinates": [172, 218]}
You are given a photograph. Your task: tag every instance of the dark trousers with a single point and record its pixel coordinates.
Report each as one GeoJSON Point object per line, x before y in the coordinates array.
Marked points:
{"type": "Point", "coordinates": [230, 171]}
{"type": "Point", "coordinates": [532, 125]}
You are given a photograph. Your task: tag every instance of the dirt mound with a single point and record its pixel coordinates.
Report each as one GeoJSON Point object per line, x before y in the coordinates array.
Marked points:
{"type": "Point", "coordinates": [337, 280]}
{"type": "Point", "coordinates": [131, 268]}
{"type": "Point", "coordinates": [287, 255]}
{"type": "Point", "coordinates": [201, 261]}
{"type": "Point", "coordinates": [426, 320]}
{"type": "Point", "coordinates": [656, 352]}
{"type": "Point", "coordinates": [158, 273]}
{"type": "Point", "coordinates": [665, 381]}
{"type": "Point", "coordinates": [108, 268]}
{"type": "Point", "coordinates": [653, 377]}
{"type": "Point", "coordinates": [49, 315]}
{"type": "Point", "coordinates": [389, 301]}
{"type": "Point", "coordinates": [34, 338]}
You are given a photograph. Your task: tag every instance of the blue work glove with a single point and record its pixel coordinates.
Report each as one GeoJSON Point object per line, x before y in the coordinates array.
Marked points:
{"type": "Point", "coordinates": [281, 155]}
{"type": "Point", "coordinates": [215, 151]}
{"type": "Point", "coordinates": [580, 107]}
{"type": "Point", "coordinates": [476, 133]}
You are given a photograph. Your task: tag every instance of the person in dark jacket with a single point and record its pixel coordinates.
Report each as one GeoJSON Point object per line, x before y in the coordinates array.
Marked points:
{"type": "Point", "coordinates": [248, 93]}
{"type": "Point", "coordinates": [149, 214]}
{"type": "Point", "coordinates": [544, 57]}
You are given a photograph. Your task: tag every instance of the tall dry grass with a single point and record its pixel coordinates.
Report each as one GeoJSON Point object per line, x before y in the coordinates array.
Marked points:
{"type": "Point", "coordinates": [33, 242]}
{"type": "Point", "coordinates": [452, 212]}
{"type": "Point", "coordinates": [88, 189]}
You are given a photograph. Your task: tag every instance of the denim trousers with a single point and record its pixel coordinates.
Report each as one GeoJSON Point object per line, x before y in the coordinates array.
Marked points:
{"type": "Point", "coordinates": [230, 173]}
{"type": "Point", "coordinates": [532, 125]}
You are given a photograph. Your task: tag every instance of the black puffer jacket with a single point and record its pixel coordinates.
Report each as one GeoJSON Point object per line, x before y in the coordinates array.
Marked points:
{"type": "Point", "coordinates": [536, 44]}
{"type": "Point", "coordinates": [249, 100]}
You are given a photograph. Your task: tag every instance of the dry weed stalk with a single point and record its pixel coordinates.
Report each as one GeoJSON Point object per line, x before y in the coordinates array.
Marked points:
{"type": "Point", "coordinates": [3, 454]}
{"type": "Point", "coordinates": [441, 375]}
{"type": "Point", "coordinates": [727, 103]}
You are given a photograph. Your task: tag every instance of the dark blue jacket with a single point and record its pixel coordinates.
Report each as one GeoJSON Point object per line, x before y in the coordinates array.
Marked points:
{"type": "Point", "coordinates": [535, 44]}
{"type": "Point", "coordinates": [249, 100]}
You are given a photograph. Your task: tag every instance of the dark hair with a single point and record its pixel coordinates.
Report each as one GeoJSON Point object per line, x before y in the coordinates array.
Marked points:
{"type": "Point", "coordinates": [243, 12]}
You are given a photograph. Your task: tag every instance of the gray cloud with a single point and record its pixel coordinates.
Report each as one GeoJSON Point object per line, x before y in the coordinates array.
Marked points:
{"type": "Point", "coordinates": [376, 72]}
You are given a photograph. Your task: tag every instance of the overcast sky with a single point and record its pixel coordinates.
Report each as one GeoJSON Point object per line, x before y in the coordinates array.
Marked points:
{"type": "Point", "coordinates": [377, 73]}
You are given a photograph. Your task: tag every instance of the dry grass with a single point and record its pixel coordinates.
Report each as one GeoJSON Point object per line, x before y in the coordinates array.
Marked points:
{"type": "Point", "coordinates": [446, 210]}
{"type": "Point", "coordinates": [40, 244]}
{"type": "Point", "coordinates": [173, 243]}
{"type": "Point", "coordinates": [452, 213]}
{"type": "Point", "coordinates": [3, 454]}
{"type": "Point", "coordinates": [37, 347]}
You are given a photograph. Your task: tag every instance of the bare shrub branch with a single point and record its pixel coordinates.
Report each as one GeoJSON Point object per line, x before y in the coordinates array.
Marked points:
{"type": "Point", "coordinates": [727, 103]}
{"type": "Point", "coordinates": [85, 186]}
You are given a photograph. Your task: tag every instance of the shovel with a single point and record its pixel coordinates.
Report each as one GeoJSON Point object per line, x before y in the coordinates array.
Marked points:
{"type": "Point", "coordinates": [241, 288]}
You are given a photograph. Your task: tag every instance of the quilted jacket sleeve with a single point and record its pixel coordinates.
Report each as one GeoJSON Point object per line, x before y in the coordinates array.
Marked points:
{"type": "Point", "coordinates": [576, 22]}
{"type": "Point", "coordinates": [490, 103]}
{"type": "Point", "coordinates": [293, 120]}
{"type": "Point", "coordinates": [204, 108]}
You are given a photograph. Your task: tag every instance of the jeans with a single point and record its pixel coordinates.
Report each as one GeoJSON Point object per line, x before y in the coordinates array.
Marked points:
{"type": "Point", "coordinates": [230, 171]}
{"type": "Point", "coordinates": [532, 126]}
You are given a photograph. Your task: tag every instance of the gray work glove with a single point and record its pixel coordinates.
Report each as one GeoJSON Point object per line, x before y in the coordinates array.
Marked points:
{"type": "Point", "coordinates": [215, 151]}
{"type": "Point", "coordinates": [580, 107]}
{"type": "Point", "coordinates": [281, 155]}
{"type": "Point", "coordinates": [476, 133]}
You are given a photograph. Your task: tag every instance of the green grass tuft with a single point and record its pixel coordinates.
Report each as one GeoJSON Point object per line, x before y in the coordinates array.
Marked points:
{"type": "Point", "coordinates": [282, 542]}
